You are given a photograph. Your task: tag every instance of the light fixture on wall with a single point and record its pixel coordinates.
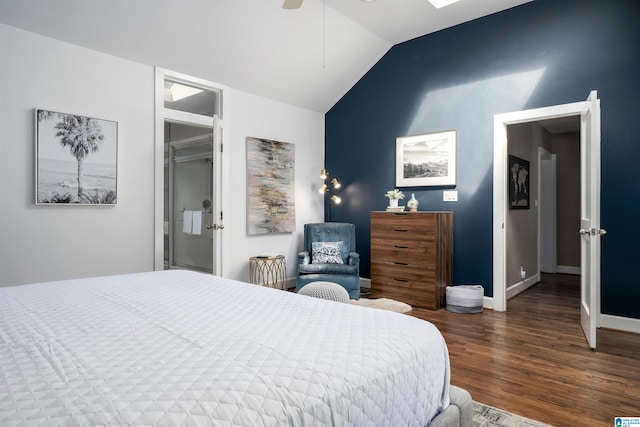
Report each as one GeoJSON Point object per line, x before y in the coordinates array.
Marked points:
{"type": "Point", "coordinates": [325, 189]}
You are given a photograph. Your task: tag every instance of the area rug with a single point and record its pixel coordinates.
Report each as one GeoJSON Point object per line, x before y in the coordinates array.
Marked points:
{"type": "Point", "coordinates": [488, 416]}
{"type": "Point", "coordinates": [383, 304]}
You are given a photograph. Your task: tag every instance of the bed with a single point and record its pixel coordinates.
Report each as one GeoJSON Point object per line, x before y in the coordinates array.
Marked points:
{"type": "Point", "coordinates": [181, 348]}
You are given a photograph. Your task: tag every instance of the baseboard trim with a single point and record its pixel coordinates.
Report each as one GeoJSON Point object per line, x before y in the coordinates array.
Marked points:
{"type": "Point", "coordinates": [487, 302]}
{"type": "Point", "coordinates": [291, 282]}
{"type": "Point", "coordinates": [521, 286]}
{"type": "Point", "coordinates": [568, 269]}
{"type": "Point", "coordinates": [619, 323]}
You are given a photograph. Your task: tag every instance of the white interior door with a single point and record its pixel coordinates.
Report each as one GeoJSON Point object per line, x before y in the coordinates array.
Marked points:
{"type": "Point", "coordinates": [590, 219]}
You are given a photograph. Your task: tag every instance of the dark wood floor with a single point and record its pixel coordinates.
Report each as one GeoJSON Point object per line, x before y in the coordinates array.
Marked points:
{"type": "Point", "coordinates": [533, 360]}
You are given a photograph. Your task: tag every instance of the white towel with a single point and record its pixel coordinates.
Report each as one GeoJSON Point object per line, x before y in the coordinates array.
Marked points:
{"type": "Point", "coordinates": [196, 227]}
{"type": "Point", "coordinates": [187, 221]}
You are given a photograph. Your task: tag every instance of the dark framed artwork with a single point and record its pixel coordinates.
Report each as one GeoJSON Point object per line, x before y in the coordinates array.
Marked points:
{"type": "Point", "coordinates": [76, 159]}
{"type": "Point", "coordinates": [518, 183]}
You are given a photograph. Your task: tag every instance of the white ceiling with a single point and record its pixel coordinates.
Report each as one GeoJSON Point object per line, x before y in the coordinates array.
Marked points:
{"type": "Point", "coordinates": [309, 57]}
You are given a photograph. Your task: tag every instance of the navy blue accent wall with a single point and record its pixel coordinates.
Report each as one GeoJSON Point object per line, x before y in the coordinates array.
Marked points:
{"type": "Point", "coordinates": [544, 53]}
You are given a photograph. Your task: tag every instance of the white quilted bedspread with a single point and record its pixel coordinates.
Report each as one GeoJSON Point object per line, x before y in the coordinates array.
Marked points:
{"type": "Point", "coordinates": [179, 348]}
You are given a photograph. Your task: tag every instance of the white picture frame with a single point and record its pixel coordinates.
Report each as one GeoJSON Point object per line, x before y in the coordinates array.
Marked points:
{"type": "Point", "coordinates": [426, 160]}
{"type": "Point", "coordinates": [76, 160]}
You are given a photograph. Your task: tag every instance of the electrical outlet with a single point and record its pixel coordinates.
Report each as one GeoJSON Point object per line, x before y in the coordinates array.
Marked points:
{"type": "Point", "coordinates": [450, 196]}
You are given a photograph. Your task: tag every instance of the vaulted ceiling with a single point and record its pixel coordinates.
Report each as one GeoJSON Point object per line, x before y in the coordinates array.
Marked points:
{"type": "Point", "coordinates": [309, 57]}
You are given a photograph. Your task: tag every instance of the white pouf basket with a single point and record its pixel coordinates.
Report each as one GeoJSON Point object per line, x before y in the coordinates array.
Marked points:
{"type": "Point", "coordinates": [465, 298]}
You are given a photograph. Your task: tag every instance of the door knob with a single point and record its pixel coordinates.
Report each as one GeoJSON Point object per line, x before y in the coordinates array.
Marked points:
{"type": "Point", "coordinates": [215, 226]}
{"type": "Point", "coordinates": [584, 231]}
{"type": "Point", "coordinates": [602, 232]}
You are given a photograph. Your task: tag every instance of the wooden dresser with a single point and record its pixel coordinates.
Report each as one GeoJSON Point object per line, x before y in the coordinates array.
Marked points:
{"type": "Point", "coordinates": [412, 257]}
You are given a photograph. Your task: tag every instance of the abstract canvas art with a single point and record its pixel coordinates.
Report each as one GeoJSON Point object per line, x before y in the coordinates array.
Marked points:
{"type": "Point", "coordinates": [270, 186]}
{"type": "Point", "coordinates": [76, 159]}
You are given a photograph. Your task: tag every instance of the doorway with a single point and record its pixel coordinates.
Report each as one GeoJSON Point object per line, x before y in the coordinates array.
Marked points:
{"type": "Point", "coordinates": [551, 150]}
{"type": "Point", "coordinates": [590, 232]}
{"type": "Point", "coordinates": [188, 197]}
{"type": "Point", "coordinates": [188, 209]}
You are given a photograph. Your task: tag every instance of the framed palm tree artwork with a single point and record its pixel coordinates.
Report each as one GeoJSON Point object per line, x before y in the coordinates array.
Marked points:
{"type": "Point", "coordinates": [76, 159]}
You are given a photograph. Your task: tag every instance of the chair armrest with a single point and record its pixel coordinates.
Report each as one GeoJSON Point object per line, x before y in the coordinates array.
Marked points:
{"type": "Point", "coordinates": [304, 258]}
{"type": "Point", "coordinates": [354, 259]}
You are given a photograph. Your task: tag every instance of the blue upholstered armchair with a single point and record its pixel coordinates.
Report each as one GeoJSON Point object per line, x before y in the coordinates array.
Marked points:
{"type": "Point", "coordinates": [329, 254]}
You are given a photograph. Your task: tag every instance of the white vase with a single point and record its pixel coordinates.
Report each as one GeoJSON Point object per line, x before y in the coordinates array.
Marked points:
{"type": "Point", "coordinates": [393, 203]}
{"type": "Point", "coordinates": [412, 204]}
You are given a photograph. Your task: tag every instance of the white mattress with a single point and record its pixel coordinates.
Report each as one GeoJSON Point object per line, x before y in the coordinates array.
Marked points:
{"type": "Point", "coordinates": [179, 348]}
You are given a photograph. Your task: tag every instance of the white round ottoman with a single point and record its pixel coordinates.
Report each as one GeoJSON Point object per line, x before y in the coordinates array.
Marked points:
{"type": "Point", "coordinates": [325, 290]}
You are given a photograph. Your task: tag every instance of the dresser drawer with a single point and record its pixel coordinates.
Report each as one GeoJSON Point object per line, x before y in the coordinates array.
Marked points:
{"type": "Point", "coordinates": [416, 297]}
{"type": "Point", "coordinates": [403, 252]}
{"type": "Point", "coordinates": [397, 273]}
{"type": "Point", "coordinates": [408, 226]}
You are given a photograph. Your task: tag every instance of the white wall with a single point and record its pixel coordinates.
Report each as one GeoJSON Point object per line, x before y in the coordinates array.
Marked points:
{"type": "Point", "coordinates": [249, 115]}
{"type": "Point", "coordinates": [41, 243]}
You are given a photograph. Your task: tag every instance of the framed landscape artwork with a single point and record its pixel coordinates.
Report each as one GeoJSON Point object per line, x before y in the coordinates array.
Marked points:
{"type": "Point", "coordinates": [518, 183]}
{"type": "Point", "coordinates": [76, 159]}
{"type": "Point", "coordinates": [426, 160]}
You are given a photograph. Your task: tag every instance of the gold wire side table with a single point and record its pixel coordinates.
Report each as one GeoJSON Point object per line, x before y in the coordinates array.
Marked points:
{"type": "Point", "coordinates": [268, 271]}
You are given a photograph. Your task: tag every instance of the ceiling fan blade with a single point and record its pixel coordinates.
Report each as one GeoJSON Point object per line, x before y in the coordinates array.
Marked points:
{"type": "Point", "coordinates": [291, 4]}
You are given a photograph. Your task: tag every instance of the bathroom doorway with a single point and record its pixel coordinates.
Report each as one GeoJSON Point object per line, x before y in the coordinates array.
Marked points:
{"type": "Point", "coordinates": [188, 173]}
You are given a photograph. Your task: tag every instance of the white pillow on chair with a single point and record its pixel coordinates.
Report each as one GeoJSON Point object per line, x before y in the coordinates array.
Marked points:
{"type": "Point", "coordinates": [326, 253]}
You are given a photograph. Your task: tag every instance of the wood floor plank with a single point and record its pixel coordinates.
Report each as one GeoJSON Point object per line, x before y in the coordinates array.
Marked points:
{"type": "Point", "coordinates": [534, 360]}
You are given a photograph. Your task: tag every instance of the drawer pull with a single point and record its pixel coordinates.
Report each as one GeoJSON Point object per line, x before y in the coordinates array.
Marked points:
{"type": "Point", "coordinates": [401, 247]}
{"type": "Point", "coordinates": [401, 280]}
{"type": "Point", "coordinates": [400, 231]}
{"type": "Point", "coordinates": [400, 263]}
